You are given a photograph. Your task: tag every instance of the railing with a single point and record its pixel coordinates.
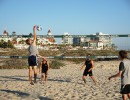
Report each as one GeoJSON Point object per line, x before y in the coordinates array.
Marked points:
{"type": "Point", "coordinates": [62, 57]}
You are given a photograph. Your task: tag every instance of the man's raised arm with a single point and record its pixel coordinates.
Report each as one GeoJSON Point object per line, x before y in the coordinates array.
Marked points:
{"type": "Point", "coordinates": [34, 35]}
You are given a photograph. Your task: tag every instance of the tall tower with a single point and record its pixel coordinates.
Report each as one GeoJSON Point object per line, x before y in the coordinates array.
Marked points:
{"type": "Point", "coordinates": [49, 32]}
{"type": "Point", "coordinates": [5, 32]}
{"type": "Point", "coordinates": [51, 39]}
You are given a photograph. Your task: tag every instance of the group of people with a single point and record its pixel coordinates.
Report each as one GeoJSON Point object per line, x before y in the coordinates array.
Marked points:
{"type": "Point", "coordinates": [124, 67]}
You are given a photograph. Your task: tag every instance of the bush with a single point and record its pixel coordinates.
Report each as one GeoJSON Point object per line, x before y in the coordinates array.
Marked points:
{"type": "Point", "coordinates": [13, 64]}
{"type": "Point", "coordinates": [8, 44]}
{"type": "Point", "coordinates": [56, 64]}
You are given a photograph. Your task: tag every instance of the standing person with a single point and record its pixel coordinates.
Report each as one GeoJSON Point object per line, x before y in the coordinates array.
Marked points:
{"type": "Point", "coordinates": [44, 67]}
{"type": "Point", "coordinates": [33, 53]}
{"type": "Point", "coordinates": [124, 73]}
{"type": "Point", "coordinates": [88, 69]}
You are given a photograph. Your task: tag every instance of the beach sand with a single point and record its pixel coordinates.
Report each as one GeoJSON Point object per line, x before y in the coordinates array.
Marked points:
{"type": "Point", "coordinates": [63, 84]}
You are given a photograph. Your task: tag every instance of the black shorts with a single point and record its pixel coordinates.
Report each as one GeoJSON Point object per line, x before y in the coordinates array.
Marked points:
{"type": "Point", "coordinates": [44, 71]}
{"type": "Point", "coordinates": [32, 61]}
{"type": "Point", "coordinates": [86, 73]}
{"type": "Point", "coordinates": [125, 89]}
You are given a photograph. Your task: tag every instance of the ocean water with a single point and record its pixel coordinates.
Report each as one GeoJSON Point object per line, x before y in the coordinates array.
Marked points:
{"type": "Point", "coordinates": [123, 43]}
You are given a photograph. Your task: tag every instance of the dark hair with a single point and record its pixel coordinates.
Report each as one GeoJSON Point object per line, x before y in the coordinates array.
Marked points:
{"type": "Point", "coordinates": [88, 54]}
{"type": "Point", "coordinates": [27, 41]}
{"type": "Point", "coordinates": [123, 54]}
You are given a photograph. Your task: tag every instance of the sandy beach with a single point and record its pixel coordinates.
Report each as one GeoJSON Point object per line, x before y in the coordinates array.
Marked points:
{"type": "Point", "coordinates": [63, 84]}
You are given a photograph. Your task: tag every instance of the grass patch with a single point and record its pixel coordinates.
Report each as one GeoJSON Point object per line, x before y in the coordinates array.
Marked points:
{"type": "Point", "coordinates": [56, 64]}
{"type": "Point", "coordinates": [14, 64]}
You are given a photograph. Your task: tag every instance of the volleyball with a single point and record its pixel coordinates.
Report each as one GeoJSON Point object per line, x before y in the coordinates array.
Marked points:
{"type": "Point", "coordinates": [39, 28]}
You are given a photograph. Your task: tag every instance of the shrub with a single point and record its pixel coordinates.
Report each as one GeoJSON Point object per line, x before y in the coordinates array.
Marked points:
{"type": "Point", "coordinates": [14, 64]}
{"type": "Point", "coordinates": [55, 64]}
{"type": "Point", "coordinates": [6, 44]}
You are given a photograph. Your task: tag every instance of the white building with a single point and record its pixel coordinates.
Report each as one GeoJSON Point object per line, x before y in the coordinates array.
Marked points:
{"type": "Point", "coordinates": [105, 39]}
{"type": "Point", "coordinates": [99, 41]}
{"type": "Point", "coordinates": [6, 39]}
{"type": "Point", "coordinates": [20, 41]}
{"type": "Point", "coordinates": [95, 41]}
{"type": "Point", "coordinates": [67, 39]}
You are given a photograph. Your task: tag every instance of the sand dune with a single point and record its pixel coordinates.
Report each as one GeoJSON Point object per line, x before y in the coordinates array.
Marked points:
{"type": "Point", "coordinates": [63, 84]}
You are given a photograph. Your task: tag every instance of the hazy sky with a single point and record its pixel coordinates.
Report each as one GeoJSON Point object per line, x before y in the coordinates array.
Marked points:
{"type": "Point", "coordinates": [72, 16]}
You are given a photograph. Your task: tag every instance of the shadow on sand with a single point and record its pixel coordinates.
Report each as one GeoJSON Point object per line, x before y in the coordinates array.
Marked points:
{"type": "Point", "coordinates": [22, 94]}
{"type": "Point", "coordinates": [13, 78]}
{"type": "Point", "coordinates": [25, 95]}
{"type": "Point", "coordinates": [45, 98]}
{"type": "Point", "coordinates": [60, 80]}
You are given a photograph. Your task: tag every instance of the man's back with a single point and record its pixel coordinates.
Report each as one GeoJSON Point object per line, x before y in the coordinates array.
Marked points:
{"type": "Point", "coordinates": [32, 50]}
{"type": "Point", "coordinates": [126, 74]}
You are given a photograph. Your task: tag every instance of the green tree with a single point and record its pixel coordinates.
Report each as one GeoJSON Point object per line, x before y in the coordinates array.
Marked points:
{"type": "Point", "coordinates": [2, 41]}
{"type": "Point", "coordinates": [13, 33]}
{"type": "Point", "coordinates": [4, 44]}
{"type": "Point", "coordinates": [10, 45]}
{"type": "Point", "coordinates": [0, 44]}
{"type": "Point", "coordinates": [30, 35]}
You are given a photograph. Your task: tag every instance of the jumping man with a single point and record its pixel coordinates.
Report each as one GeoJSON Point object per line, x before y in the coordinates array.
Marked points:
{"type": "Point", "coordinates": [33, 53]}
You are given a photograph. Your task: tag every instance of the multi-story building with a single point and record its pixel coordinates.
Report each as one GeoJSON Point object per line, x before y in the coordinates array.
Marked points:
{"type": "Point", "coordinates": [76, 41]}
{"type": "Point", "coordinates": [67, 39]}
{"type": "Point", "coordinates": [104, 41]}
{"type": "Point", "coordinates": [95, 41]}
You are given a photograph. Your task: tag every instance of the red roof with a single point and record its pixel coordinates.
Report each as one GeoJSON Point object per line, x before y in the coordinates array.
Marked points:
{"type": "Point", "coordinates": [5, 32]}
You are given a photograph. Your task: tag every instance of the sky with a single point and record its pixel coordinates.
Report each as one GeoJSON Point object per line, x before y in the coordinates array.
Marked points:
{"type": "Point", "coordinates": [72, 16]}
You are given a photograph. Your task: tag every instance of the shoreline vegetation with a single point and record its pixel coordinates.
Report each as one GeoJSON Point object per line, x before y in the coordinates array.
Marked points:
{"type": "Point", "coordinates": [15, 63]}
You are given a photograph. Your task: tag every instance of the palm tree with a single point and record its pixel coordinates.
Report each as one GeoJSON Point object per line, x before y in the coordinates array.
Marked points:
{"type": "Point", "coordinates": [13, 33]}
